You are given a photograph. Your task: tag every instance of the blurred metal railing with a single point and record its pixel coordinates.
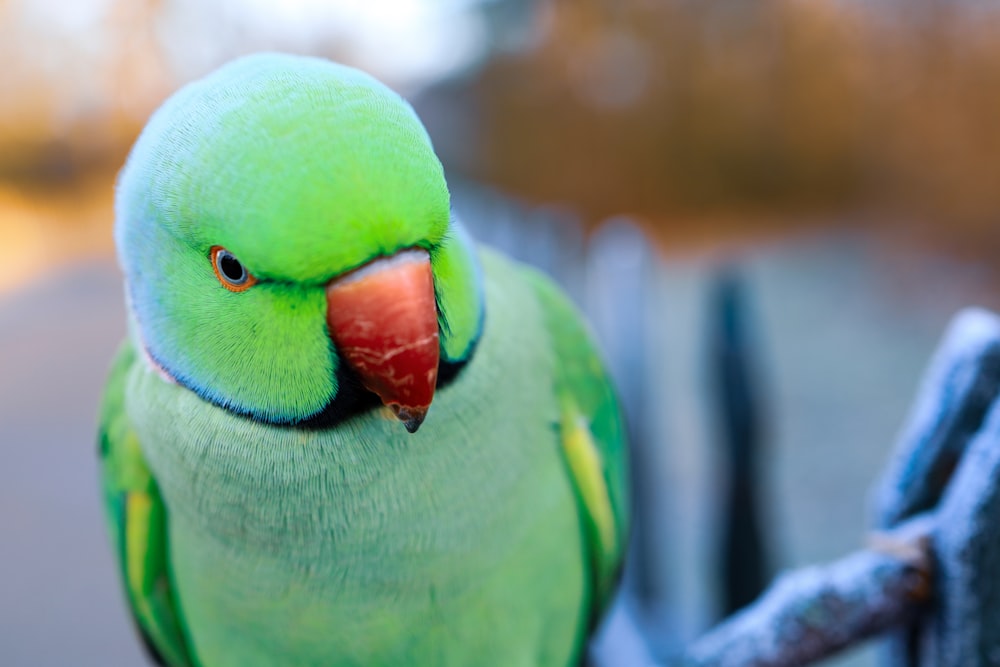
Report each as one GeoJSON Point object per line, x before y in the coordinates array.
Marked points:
{"type": "Point", "coordinates": [928, 576]}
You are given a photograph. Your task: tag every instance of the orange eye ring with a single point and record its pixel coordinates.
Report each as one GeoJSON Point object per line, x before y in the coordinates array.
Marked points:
{"type": "Point", "coordinates": [230, 271]}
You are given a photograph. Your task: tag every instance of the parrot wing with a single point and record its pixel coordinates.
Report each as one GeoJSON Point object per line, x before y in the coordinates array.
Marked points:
{"type": "Point", "coordinates": [137, 521]}
{"type": "Point", "coordinates": [592, 437]}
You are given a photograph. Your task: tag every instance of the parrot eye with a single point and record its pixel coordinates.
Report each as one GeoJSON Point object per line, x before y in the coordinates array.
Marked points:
{"type": "Point", "coordinates": [230, 271]}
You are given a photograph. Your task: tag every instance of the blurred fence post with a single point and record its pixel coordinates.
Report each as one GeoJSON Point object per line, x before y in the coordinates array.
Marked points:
{"type": "Point", "coordinates": [741, 557]}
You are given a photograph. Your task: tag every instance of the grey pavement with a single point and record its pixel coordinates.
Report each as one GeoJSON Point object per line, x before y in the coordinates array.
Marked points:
{"type": "Point", "coordinates": [60, 603]}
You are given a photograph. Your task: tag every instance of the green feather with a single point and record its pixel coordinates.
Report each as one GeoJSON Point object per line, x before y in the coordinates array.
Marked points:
{"type": "Point", "coordinates": [593, 435]}
{"type": "Point", "coordinates": [137, 523]}
{"type": "Point", "coordinates": [457, 284]}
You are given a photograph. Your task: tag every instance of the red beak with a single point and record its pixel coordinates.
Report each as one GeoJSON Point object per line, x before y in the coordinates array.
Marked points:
{"type": "Point", "coordinates": [383, 321]}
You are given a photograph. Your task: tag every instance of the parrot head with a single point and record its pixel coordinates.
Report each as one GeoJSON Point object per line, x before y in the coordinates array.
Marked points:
{"type": "Point", "coordinates": [289, 252]}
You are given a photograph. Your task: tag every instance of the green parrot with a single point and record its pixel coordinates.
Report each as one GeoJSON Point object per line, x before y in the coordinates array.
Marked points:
{"type": "Point", "coordinates": [279, 487]}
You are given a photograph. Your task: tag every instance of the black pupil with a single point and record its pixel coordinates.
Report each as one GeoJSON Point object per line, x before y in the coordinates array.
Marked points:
{"type": "Point", "coordinates": [231, 267]}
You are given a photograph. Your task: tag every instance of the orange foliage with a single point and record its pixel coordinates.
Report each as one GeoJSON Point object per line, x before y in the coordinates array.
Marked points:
{"type": "Point", "coordinates": [691, 113]}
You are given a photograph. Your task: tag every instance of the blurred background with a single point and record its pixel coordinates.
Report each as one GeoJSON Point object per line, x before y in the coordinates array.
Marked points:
{"type": "Point", "coordinates": [768, 209]}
